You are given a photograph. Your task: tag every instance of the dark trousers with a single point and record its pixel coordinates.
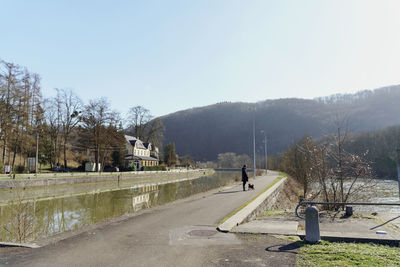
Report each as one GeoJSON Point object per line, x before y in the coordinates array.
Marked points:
{"type": "Point", "coordinates": [244, 185]}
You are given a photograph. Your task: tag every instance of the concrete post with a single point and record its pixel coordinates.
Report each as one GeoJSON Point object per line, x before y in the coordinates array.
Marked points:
{"type": "Point", "coordinates": [312, 225]}
{"type": "Point", "coordinates": [349, 211]}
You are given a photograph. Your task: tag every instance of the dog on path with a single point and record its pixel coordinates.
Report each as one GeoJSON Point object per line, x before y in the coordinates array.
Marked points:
{"type": "Point", "coordinates": [251, 186]}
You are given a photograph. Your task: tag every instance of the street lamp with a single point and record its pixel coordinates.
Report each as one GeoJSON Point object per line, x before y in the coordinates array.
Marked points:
{"type": "Point", "coordinates": [398, 167]}
{"type": "Point", "coordinates": [37, 154]}
{"type": "Point", "coordinates": [254, 144]}
{"type": "Point", "coordinates": [265, 150]}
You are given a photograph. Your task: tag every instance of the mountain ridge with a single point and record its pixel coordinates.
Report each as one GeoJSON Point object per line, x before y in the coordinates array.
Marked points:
{"type": "Point", "coordinates": [204, 132]}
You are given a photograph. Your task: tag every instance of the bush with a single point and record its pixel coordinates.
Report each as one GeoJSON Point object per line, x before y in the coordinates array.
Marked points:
{"type": "Point", "coordinates": [131, 167]}
{"type": "Point", "coordinates": [1, 168]}
{"type": "Point", "coordinates": [110, 168]}
{"type": "Point", "coordinates": [155, 168]}
{"type": "Point", "coordinates": [20, 169]}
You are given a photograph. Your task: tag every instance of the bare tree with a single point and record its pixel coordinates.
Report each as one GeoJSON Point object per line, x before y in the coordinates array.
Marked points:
{"type": "Point", "coordinates": [154, 132]}
{"type": "Point", "coordinates": [327, 171]}
{"type": "Point", "coordinates": [99, 130]}
{"type": "Point", "coordinates": [142, 125]}
{"type": "Point", "coordinates": [137, 119]}
{"type": "Point", "coordinates": [70, 110]}
{"type": "Point", "coordinates": [298, 162]}
{"type": "Point", "coordinates": [53, 129]}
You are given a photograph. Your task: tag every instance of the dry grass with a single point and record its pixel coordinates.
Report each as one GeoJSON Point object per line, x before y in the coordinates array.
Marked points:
{"type": "Point", "coordinates": [289, 196]}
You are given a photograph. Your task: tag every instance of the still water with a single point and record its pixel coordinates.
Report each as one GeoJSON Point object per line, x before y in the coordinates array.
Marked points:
{"type": "Point", "coordinates": [27, 215]}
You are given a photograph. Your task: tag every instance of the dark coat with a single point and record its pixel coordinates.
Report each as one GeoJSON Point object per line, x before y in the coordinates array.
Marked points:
{"type": "Point", "coordinates": [245, 178]}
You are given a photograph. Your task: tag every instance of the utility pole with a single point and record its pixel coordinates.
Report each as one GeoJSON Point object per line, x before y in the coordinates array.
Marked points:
{"type": "Point", "coordinates": [265, 150]}
{"type": "Point", "coordinates": [254, 144]}
{"type": "Point", "coordinates": [398, 168]}
{"type": "Point", "coordinates": [266, 154]}
{"type": "Point", "coordinates": [37, 154]}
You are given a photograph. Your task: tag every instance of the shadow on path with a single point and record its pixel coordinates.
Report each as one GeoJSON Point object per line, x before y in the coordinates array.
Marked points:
{"type": "Point", "coordinates": [286, 248]}
{"type": "Point", "coordinates": [385, 223]}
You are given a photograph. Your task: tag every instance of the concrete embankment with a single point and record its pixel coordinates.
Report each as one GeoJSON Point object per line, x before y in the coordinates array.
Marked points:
{"type": "Point", "coordinates": [79, 178]}
{"type": "Point", "coordinates": [258, 204]}
{"type": "Point", "coordinates": [363, 227]}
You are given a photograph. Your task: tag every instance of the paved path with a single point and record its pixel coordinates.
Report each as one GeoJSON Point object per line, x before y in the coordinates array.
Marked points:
{"type": "Point", "coordinates": [182, 233]}
{"type": "Point", "coordinates": [382, 228]}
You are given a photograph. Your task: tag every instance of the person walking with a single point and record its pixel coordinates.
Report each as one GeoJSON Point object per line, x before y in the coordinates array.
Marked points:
{"type": "Point", "coordinates": [245, 178]}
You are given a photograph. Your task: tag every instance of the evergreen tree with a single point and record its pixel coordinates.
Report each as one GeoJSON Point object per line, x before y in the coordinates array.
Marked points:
{"type": "Point", "coordinates": [170, 157]}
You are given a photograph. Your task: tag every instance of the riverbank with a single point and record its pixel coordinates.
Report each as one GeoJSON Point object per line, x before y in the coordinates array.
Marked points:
{"type": "Point", "coordinates": [366, 238]}
{"type": "Point", "coordinates": [368, 226]}
{"type": "Point", "coordinates": [53, 209]}
{"type": "Point", "coordinates": [29, 180]}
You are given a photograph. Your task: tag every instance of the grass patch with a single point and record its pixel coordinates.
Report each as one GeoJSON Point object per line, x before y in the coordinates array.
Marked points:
{"type": "Point", "coordinates": [280, 177]}
{"type": "Point", "coordinates": [347, 254]}
{"type": "Point", "coordinates": [273, 213]}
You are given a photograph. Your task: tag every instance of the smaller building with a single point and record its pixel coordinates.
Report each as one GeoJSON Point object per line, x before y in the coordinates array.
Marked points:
{"type": "Point", "coordinates": [140, 154]}
{"type": "Point", "coordinates": [91, 167]}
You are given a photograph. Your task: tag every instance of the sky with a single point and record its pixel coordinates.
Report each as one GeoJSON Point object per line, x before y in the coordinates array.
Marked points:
{"type": "Point", "coordinates": [177, 54]}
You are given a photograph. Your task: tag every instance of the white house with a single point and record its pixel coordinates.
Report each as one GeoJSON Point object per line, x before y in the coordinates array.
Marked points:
{"type": "Point", "coordinates": [139, 153]}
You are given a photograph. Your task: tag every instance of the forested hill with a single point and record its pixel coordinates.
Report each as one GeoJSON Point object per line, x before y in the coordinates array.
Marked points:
{"type": "Point", "coordinates": [207, 131]}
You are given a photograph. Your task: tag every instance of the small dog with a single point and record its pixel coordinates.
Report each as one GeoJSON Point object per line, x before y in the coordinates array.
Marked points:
{"type": "Point", "coordinates": [251, 186]}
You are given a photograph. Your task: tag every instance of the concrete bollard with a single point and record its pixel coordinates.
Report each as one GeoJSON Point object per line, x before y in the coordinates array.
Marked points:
{"type": "Point", "coordinates": [312, 225]}
{"type": "Point", "coordinates": [349, 211]}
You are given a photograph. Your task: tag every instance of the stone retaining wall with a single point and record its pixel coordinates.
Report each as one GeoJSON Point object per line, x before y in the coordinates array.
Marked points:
{"type": "Point", "coordinates": [16, 183]}
{"type": "Point", "coordinates": [268, 203]}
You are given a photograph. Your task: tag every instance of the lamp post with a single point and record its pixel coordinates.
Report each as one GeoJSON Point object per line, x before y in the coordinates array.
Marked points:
{"type": "Point", "coordinates": [398, 168]}
{"type": "Point", "coordinates": [254, 144]}
{"type": "Point", "coordinates": [37, 154]}
{"type": "Point", "coordinates": [265, 150]}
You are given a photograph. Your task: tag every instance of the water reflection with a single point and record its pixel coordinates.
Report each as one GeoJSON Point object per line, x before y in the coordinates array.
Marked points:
{"type": "Point", "coordinates": [77, 207]}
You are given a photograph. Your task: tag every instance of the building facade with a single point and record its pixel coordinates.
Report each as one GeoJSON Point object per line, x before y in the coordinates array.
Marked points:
{"type": "Point", "coordinates": [140, 154]}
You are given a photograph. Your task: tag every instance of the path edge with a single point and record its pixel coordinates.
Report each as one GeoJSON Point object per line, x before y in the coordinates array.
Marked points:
{"type": "Point", "coordinates": [255, 206]}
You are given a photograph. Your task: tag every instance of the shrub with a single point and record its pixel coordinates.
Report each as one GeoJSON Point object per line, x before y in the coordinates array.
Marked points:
{"type": "Point", "coordinates": [20, 169]}
{"type": "Point", "coordinates": [155, 168]}
{"type": "Point", "coordinates": [131, 167]}
{"type": "Point", "coordinates": [1, 168]}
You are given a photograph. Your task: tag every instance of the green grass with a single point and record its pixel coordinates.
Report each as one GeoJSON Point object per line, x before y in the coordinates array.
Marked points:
{"type": "Point", "coordinates": [280, 177]}
{"type": "Point", "coordinates": [347, 254]}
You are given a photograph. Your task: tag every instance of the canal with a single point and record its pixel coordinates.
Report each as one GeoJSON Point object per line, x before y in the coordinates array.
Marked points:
{"type": "Point", "coordinates": [32, 213]}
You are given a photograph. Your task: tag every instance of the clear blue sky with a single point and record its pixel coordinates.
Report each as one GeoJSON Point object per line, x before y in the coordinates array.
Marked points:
{"type": "Point", "coordinates": [172, 55]}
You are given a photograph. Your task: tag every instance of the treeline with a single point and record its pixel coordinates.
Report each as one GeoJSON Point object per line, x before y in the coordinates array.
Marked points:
{"type": "Point", "coordinates": [228, 160]}
{"type": "Point", "coordinates": [231, 160]}
{"type": "Point", "coordinates": [381, 148]}
{"type": "Point", "coordinates": [21, 112]}
{"type": "Point", "coordinates": [208, 131]}
{"type": "Point", "coordinates": [63, 129]}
